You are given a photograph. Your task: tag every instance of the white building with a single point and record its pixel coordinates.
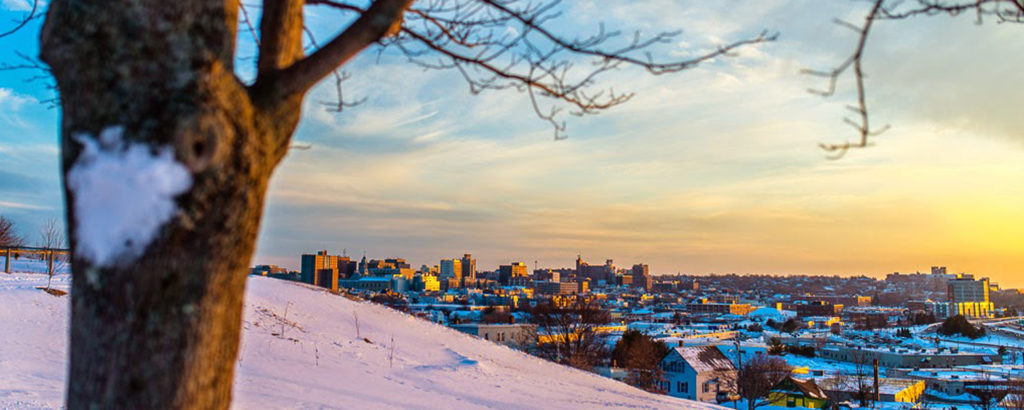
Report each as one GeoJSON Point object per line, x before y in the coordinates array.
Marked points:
{"type": "Point", "coordinates": [699, 373]}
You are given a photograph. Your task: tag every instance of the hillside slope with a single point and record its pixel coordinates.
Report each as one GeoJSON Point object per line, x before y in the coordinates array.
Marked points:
{"type": "Point", "coordinates": [318, 361]}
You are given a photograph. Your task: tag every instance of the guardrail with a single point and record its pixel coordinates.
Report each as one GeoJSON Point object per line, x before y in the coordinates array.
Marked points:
{"type": "Point", "coordinates": [49, 253]}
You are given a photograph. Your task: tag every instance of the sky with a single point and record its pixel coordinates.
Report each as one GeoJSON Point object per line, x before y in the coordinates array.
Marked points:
{"type": "Point", "coordinates": [711, 170]}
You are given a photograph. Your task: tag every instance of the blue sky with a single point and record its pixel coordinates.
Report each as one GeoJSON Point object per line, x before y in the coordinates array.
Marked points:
{"type": "Point", "coordinates": [714, 169]}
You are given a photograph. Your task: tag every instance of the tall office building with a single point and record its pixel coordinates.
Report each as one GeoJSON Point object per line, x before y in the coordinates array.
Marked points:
{"type": "Point", "coordinates": [468, 268]}
{"type": "Point", "coordinates": [604, 272]}
{"type": "Point", "coordinates": [642, 276]}
{"type": "Point", "coordinates": [451, 269]}
{"type": "Point", "coordinates": [506, 273]}
{"type": "Point", "coordinates": [390, 267]}
{"type": "Point", "coordinates": [967, 289]}
{"type": "Point", "coordinates": [970, 297]}
{"type": "Point", "coordinates": [320, 269]}
{"type": "Point", "coordinates": [346, 267]}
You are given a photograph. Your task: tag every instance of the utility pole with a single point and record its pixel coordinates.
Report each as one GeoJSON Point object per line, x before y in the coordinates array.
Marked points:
{"type": "Point", "coordinates": [877, 396]}
{"type": "Point", "coordinates": [739, 368]}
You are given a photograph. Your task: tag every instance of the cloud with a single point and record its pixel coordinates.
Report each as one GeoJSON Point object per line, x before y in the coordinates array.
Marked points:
{"type": "Point", "coordinates": [18, 205]}
{"type": "Point", "coordinates": [11, 100]}
{"type": "Point", "coordinates": [12, 181]}
{"type": "Point", "coordinates": [951, 73]}
{"type": "Point", "coordinates": [11, 104]}
{"type": "Point", "coordinates": [17, 5]}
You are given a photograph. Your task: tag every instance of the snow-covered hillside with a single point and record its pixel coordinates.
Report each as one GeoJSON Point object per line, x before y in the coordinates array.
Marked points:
{"type": "Point", "coordinates": [314, 359]}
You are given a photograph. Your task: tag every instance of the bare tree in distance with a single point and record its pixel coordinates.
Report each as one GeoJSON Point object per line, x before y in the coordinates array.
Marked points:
{"type": "Point", "coordinates": [757, 376]}
{"type": "Point", "coordinates": [860, 384]}
{"type": "Point", "coordinates": [1002, 11]}
{"type": "Point", "coordinates": [51, 234]}
{"type": "Point", "coordinates": [51, 237]}
{"type": "Point", "coordinates": [1014, 398]}
{"type": "Point", "coordinates": [159, 77]}
{"type": "Point", "coordinates": [642, 356]}
{"type": "Point", "coordinates": [988, 390]}
{"type": "Point", "coordinates": [9, 236]}
{"type": "Point", "coordinates": [568, 334]}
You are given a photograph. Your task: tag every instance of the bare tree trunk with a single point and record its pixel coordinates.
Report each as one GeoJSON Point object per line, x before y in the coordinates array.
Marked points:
{"type": "Point", "coordinates": [161, 329]}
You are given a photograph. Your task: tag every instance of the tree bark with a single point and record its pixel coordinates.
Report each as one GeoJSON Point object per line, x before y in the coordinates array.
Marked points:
{"type": "Point", "coordinates": [161, 330]}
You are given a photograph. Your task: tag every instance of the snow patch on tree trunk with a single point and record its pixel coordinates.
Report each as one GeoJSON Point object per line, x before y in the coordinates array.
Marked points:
{"type": "Point", "coordinates": [123, 193]}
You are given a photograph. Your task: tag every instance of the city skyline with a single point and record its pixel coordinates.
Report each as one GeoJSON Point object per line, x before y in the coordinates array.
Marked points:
{"type": "Point", "coordinates": [493, 265]}
{"type": "Point", "coordinates": [711, 170]}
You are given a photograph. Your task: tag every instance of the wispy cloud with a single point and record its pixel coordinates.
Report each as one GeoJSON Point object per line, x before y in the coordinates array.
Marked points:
{"type": "Point", "coordinates": [16, 205]}
{"type": "Point", "coordinates": [11, 104]}
{"type": "Point", "coordinates": [17, 5]}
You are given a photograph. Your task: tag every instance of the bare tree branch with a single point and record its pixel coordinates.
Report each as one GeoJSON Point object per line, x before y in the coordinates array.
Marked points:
{"type": "Point", "coordinates": [498, 45]}
{"type": "Point", "coordinates": [339, 77]}
{"type": "Point", "coordinates": [863, 125]}
{"type": "Point", "coordinates": [19, 23]}
{"type": "Point", "coordinates": [1002, 10]}
{"type": "Point", "coordinates": [248, 23]}
{"type": "Point", "coordinates": [281, 34]}
{"type": "Point", "coordinates": [42, 73]}
{"type": "Point", "coordinates": [376, 22]}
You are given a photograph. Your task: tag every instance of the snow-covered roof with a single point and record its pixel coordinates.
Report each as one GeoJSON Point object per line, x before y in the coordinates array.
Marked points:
{"type": "Point", "coordinates": [806, 387]}
{"type": "Point", "coordinates": [765, 313]}
{"type": "Point", "coordinates": [704, 358]}
{"type": "Point", "coordinates": [374, 279]}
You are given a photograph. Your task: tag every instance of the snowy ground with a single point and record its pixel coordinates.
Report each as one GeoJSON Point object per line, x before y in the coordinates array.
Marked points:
{"type": "Point", "coordinates": [33, 341]}
{"type": "Point", "coordinates": [319, 362]}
